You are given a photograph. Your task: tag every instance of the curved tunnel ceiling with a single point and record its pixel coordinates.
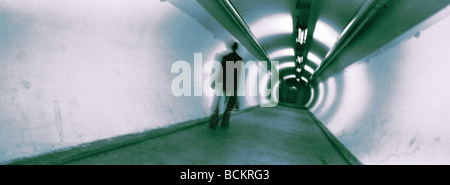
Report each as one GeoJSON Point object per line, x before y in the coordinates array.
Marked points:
{"type": "Point", "coordinates": [274, 24]}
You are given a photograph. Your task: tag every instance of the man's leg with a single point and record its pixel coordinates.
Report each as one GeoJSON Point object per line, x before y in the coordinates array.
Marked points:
{"type": "Point", "coordinates": [230, 105]}
{"type": "Point", "coordinates": [214, 119]}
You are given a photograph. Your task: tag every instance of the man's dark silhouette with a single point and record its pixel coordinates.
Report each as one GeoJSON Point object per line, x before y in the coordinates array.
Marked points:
{"type": "Point", "coordinates": [230, 93]}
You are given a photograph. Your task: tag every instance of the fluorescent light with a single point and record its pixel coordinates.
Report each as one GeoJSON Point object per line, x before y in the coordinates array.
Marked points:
{"type": "Point", "coordinates": [299, 34]}
{"type": "Point", "coordinates": [305, 35]}
{"type": "Point", "coordinates": [299, 70]}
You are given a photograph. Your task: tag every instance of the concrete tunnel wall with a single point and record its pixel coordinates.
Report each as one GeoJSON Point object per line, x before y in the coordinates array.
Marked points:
{"type": "Point", "coordinates": [73, 72]}
{"type": "Point", "coordinates": [392, 106]}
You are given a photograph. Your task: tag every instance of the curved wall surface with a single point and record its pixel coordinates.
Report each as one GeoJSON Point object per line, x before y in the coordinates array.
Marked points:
{"type": "Point", "coordinates": [73, 72]}
{"type": "Point", "coordinates": [393, 106]}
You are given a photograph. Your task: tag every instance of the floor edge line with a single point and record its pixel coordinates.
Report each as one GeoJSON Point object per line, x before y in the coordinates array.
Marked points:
{"type": "Point", "coordinates": [348, 156]}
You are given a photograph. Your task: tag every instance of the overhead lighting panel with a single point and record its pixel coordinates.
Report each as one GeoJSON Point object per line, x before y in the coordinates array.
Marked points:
{"type": "Point", "coordinates": [302, 34]}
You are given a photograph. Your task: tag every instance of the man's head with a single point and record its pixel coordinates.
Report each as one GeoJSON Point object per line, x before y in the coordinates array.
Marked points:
{"type": "Point", "coordinates": [234, 46]}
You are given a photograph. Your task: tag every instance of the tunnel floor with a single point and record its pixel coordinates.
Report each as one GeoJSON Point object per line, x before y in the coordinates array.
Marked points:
{"type": "Point", "coordinates": [274, 136]}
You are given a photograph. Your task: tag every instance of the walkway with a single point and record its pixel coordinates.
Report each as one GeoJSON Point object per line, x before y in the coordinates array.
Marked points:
{"type": "Point", "coordinates": [280, 135]}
